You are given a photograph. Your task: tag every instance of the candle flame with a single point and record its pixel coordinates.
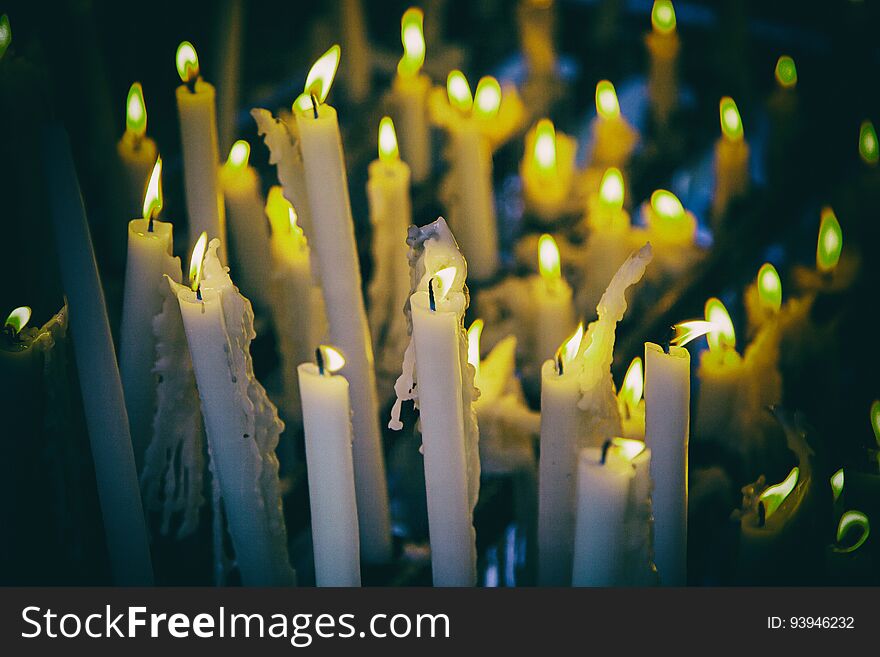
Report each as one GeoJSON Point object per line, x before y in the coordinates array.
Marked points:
{"type": "Point", "coordinates": [875, 419]}
{"type": "Point", "coordinates": [545, 147]}
{"type": "Point", "coordinates": [731, 122]}
{"type": "Point", "coordinates": [487, 98]}
{"type": "Point", "coordinates": [459, 91]}
{"type": "Point", "coordinates": [607, 104]}
{"type": "Point", "coordinates": [830, 241]}
{"type": "Point", "coordinates": [18, 319]}
{"type": "Point", "coordinates": [332, 357]}
{"type": "Point", "coordinates": [136, 110]}
{"type": "Point", "coordinates": [388, 149]}
{"type": "Point", "coordinates": [187, 62]}
{"type": "Point", "coordinates": [412, 35]}
{"type": "Point", "coordinates": [628, 448]}
{"type": "Point", "coordinates": [848, 521]}
{"type": "Point", "coordinates": [239, 155]}
{"type": "Point", "coordinates": [663, 17]}
{"type": "Point", "coordinates": [473, 334]}
{"type": "Point", "coordinates": [837, 484]}
{"type": "Point", "coordinates": [769, 287]}
{"type": "Point", "coordinates": [666, 205]}
{"type": "Point", "coordinates": [549, 262]}
{"type": "Point", "coordinates": [722, 336]}
{"type": "Point", "coordinates": [195, 262]}
{"type": "Point", "coordinates": [868, 146]}
{"type": "Point", "coordinates": [153, 196]}
{"type": "Point", "coordinates": [786, 72]}
{"type": "Point", "coordinates": [279, 210]}
{"type": "Point", "coordinates": [320, 77]}
{"type": "Point", "coordinates": [690, 330]}
{"type": "Point", "coordinates": [774, 496]}
{"type": "Point", "coordinates": [611, 189]}
{"type": "Point", "coordinates": [633, 385]}
{"type": "Point", "coordinates": [445, 277]}
{"type": "Point", "coordinates": [569, 349]}
{"type": "Point", "coordinates": [5, 34]}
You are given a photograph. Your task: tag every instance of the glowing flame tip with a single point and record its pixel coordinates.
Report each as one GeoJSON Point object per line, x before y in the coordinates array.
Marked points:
{"type": "Point", "coordinates": [320, 77]}
{"type": "Point", "coordinates": [18, 319]}
{"type": "Point", "coordinates": [153, 196]}
{"type": "Point", "coordinates": [196, 261]}
{"type": "Point", "coordinates": [136, 110]}
{"type": "Point", "coordinates": [187, 62]}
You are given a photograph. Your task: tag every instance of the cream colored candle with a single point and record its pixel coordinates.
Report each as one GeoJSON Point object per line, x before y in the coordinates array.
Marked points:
{"type": "Point", "coordinates": [672, 230]}
{"type": "Point", "coordinates": [137, 152]}
{"type": "Point", "coordinates": [356, 77]}
{"type": "Point", "coordinates": [731, 159]}
{"type": "Point", "coordinates": [552, 296]}
{"type": "Point", "coordinates": [613, 137]}
{"type": "Point", "coordinates": [663, 45]}
{"type": "Point", "coordinates": [197, 113]}
{"type": "Point", "coordinates": [327, 420]}
{"type": "Point", "coordinates": [548, 171]}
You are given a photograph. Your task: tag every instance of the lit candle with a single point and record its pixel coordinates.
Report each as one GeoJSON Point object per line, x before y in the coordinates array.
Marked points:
{"type": "Point", "coordinates": [869, 150]}
{"type": "Point", "coordinates": [241, 424]}
{"type": "Point", "coordinates": [537, 21]}
{"type": "Point", "coordinates": [547, 170]}
{"type": "Point", "coordinates": [150, 245]}
{"type": "Point", "coordinates": [409, 97]}
{"type": "Point", "coordinates": [830, 243]}
{"type": "Point", "coordinates": [613, 137]}
{"type": "Point", "coordinates": [763, 298]}
{"type": "Point", "coordinates": [731, 159]}
{"type": "Point", "coordinates": [663, 46]}
{"type": "Point", "coordinates": [327, 419]}
{"type": "Point", "coordinates": [332, 240]}
{"type": "Point", "coordinates": [357, 77]}
{"type": "Point", "coordinates": [136, 151]}
{"type": "Point", "coordinates": [672, 230]}
{"type": "Point", "coordinates": [630, 401]}
{"type": "Point", "coordinates": [248, 228]}
{"type": "Point", "coordinates": [552, 295]}
{"type": "Point", "coordinates": [197, 114]}
{"type": "Point", "coordinates": [784, 115]}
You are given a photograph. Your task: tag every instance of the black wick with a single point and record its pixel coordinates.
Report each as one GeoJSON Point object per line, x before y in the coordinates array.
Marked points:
{"type": "Point", "coordinates": [199, 292]}
{"type": "Point", "coordinates": [559, 363]}
{"type": "Point", "coordinates": [605, 447]}
{"type": "Point", "coordinates": [314, 104]}
{"type": "Point", "coordinates": [669, 336]}
{"type": "Point", "coordinates": [319, 358]}
{"type": "Point", "coordinates": [191, 84]}
{"type": "Point", "coordinates": [431, 301]}
{"type": "Point", "coordinates": [150, 222]}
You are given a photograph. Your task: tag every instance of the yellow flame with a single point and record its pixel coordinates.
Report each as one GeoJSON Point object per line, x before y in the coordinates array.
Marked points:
{"type": "Point", "coordinates": [848, 521]}
{"type": "Point", "coordinates": [690, 330]}
{"type": "Point", "coordinates": [837, 484]}
{"type": "Point", "coordinates": [663, 17]}
{"type": "Point", "coordinates": [5, 34]}
{"type": "Point", "coordinates": [607, 104]}
{"type": "Point", "coordinates": [239, 155]}
{"type": "Point", "coordinates": [136, 110]}
{"type": "Point", "coordinates": [611, 189]}
{"type": "Point", "coordinates": [549, 262]}
{"type": "Point", "coordinates": [769, 287]}
{"type": "Point", "coordinates": [633, 385]}
{"type": "Point", "coordinates": [544, 152]}
{"type": "Point", "coordinates": [487, 98]}
{"type": "Point", "coordinates": [388, 149]}
{"type": "Point", "coordinates": [568, 350]}
{"type": "Point", "coordinates": [666, 205]}
{"type": "Point", "coordinates": [153, 197]}
{"type": "Point", "coordinates": [722, 335]}
{"type": "Point", "coordinates": [195, 262]}
{"type": "Point", "coordinates": [445, 277]}
{"type": "Point", "coordinates": [18, 319]}
{"type": "Point", "coordinates": [333, 358]}
{"type": "Point", "coordinates": [459, 91]}
{"type": "Point", "coordinates": [187, 62]}
{"type": "Point", "coordinates": [731, 122]}
{"type": "Point", "coordinates": [320, 77]}
{"type": "Point", "coordinates": [875, 419]}
{"type": "Point", "coordinates": [786, 72]}
{"type": "Point", "coordinates": [412, 35]}
{"type": "Point", "coordinates": [628, 448]}
{"type": "Point", "coordinates": [830, 241]}
{"type": "Point", "coordinates": [473, 334]}
{"type": "Point", "coordinates": [775, 495]}
{"type": "Point", "coordinates": [869, 150]}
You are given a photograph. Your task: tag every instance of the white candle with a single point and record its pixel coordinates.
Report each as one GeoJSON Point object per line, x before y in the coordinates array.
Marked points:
{"type": "Point", "coordinates": [137, 152]}
{"type": "Point", "coordinates": [150, 244]}
{"type": "Point", "coordinates": [548, 171]}
{"type": "Point", "coordinates": [327, 420]}
{"type": "Point", "coordinates": [663, 46]}
{"type": "Point", "coordinates": [357, 73]}
{"type": "Point", "coordinates": [332, 241]}
{"type": "Point", "coordinates": [552, 295]}
{"type": "Point", "coordinates": [248, 228]}
{"type": "Point", "coordinates": [241, 423]}
{"type": "Point", "coordinates": [197, 114]}
{"type": "Point", "coordinates": [731, 159]}
{"type": "Point", "coordinates": [672, 230]}
{"type": "Point", "coordinates": [613, 137]}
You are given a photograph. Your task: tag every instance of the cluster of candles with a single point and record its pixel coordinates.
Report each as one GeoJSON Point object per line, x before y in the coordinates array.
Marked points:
{"type": "Point", "coordinates": [613, 468]}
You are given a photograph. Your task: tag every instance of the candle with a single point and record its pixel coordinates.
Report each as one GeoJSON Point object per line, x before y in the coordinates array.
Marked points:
{"type": "Point", "coordinates": [390, 215]}
{"type": "Point", "coordinates": [248, 228]}
{"type": "Point", "coordinates": [536, 21]}
{"type": "Point", "coordinates": [357, 76]}
{"type": "Point", "coordinates": [150, 245]}
{"type": "Point", "coordinates": [327, 420]}
{"type": "Point", "coordinates": [437, 376]}
{"type": "Point", "coordinates": [333, 242]}
{"type": "Point", "coordinates": [196, 109]}
{"type": "Point", "coordinates": [630, 402]}
{"type": "Point", "coordinates": [136, 151]}
{"type": "Point", "coordinates": [731, 159]}
{"type": "Point", "coordinates": [613, 137]}
{"type": "Point", "coordinates": [554, 311]}
{"type": "Point", "coordinates": [547, 170]}
{"type": "Point", "coordinates": [103, 400]}
{"type": "Point", "coordinates": [672, 230]}
{"type": "Point", "coordinates": [830, 243]}
{"type": "Point", "coordinates": [763, 298]}
{"type": "Point", "coordinates": [557, 468]}
{"type": "Point", "coordinates": [409, 97]}
{"type": "Point", "coordinates": [722, 374]}
{"type": "Point", "coordinates": [663, 46]}
{"type": "Point", "coordinates": [241, 424]}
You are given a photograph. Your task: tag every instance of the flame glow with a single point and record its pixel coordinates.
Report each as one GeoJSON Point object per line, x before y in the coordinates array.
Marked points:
{"type": "Point", "coordinates": [487, 98]}
{"type": "Point", "coordinates": [195, 262]}
{"type": "Point", "coordinates": [473, 334]}
{"type": "Point", "coordinates": [663, 17]}
{"type": "Point", "coordinates": [320, 77]}
{"type": "Point", "coordinates": [731, 122]}
{"type": "Point", "coordinates": [412, 35]}
{"type": "Point", "coordinates": [388, 149]}
{"type": "Point", "coordinates": [5, 34]}
{"type": "Point", "coordinates": [875, 419]}
{"type": "Point", "coordinates": [187, 62]}
{"type": "Point", "coordinates": [607, 105]}
{"type": "Point", "coordinates": [869, 150]}
{"type": "Point", "coordinates": [136, 110]}
{"type": "Point", "coordinates": [459, 91]}
{"type": "Point", "coordinates": [837, 484]}
{"type": "Point", "coordinates": [830, 241]}
{"type": "Point", "coordinates": [239, 155]}
{"type": "Point", "coordinates": [769, 288]}
{"type": "Point", "coordinates": [690, 330]}
{"type": "Point", "coordinates": [445, 276]}
{"type": "Point", "coordinates": [611, 189]}
{"type": "Point", "coordinates": [848, 521]}
{"type": "Point", "coordinates": [628, 447]}
{"type": "Point", "coordinates": [633, 385]}
{"type": "Point", "coordinates": [332, 357]}
{"type": "Point", "coordinates": [153, 197]}
{"type": "Point", "coordinates": [278, 209]}
{"type": "Point", "coordinates": [786, 72]}
{"type": "Point", "coordinates": [722, 335]}
{"type": "Point", "coordinates": [18, 319]}
{"type": "Point", "coordinates": [544, 152]}
{"type": "Point", "coordinates": [568, 350]}
{"type": "Point", "coordinates": [666, 205]}
{"type": "Point", "coordinates": [774, 496]}
{"type": "Point", "coordinates": [549, 262]}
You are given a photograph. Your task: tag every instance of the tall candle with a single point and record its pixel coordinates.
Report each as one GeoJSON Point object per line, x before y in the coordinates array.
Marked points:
{"type": "Point", "coordinates": [136, 151]}
{"type": "Point", "coordinates": [731, 159]}
{"type": "Point", "coordinates": [327, 420]}
{"type": "Point", "coordinates": [357, 73]}
{"type": "Point", "coordinates": [663, 45]}
{"type": "Point", "coordinates": [613, 137]}
{"type": "Point", "coordinates": [554, 311]}
{"type": "Point", "coordinates": [333, 243]}
{"type": "Point", "coordinates": [197, 114]}
{"type": "Point", "coordinates": [548, 170]}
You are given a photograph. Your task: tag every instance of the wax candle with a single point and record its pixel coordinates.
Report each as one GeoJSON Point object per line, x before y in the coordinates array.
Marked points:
{"type": "Point", "coordinates": [241, 424]}
{"type": "Point", "coordinates": [248, 228]}
{"type": "Point", "coordinates": [630, 401]}
{"type": "Point", "coordinates": [327, 420]}
{"type": "Point", "coordinates": [547, 170]}
{"type": "Point", "coordinates": [197, 115]}
{"type": "Point", "coordinates": [613, 137]}
{"type": "Point", "coordinates": [136, 151]}
{"type": "Point", "coordinates": [101, 388]}
{"type": "Point", "coordinates": [552, 295]}
{"type": "Point", "coordinates": [356, 77]}
{"type": "Point", "coordinates": [409, 97]}
{"type": "Point", "coordinates": [150, 245]}
{"type": "Point", "coordinates": [672, 230]}
{"type": "Point", "coordinates": [332, 240]}
{"type": "Point", "coordinates": [436, 374]}
{"type": "Point", "coordinates": [663, 46]}
{"type": "Point", "coordinates": [731, 159]}
{"type": "Point", "coordinates": [537, 22]}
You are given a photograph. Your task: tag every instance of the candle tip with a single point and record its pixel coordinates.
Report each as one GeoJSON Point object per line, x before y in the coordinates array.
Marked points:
{"type": "Point", "coordinates": [412, 35]}
{"type": "Point", "coordinates": [18, 319]}
{"type": "Point", "coordinates": [136, 110]}
{"type": "Point", "coordinates": [196, 263]}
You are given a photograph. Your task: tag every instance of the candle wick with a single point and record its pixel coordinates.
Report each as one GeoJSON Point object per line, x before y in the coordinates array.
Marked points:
{"type": "Point", "coordinates": [668, 340]}
{"type": "Point", "coordinates": [191, 84]}
{"type": "Point", "coordinates": [559, 366]}
{"type": "Point", "coordinates": [762, 514]}
{"type": "Point", "coordinates": [605, 446]}
{"type": "Point", "coordinates": [319, 358]}
{"type": "Point", "coordinates": [150, 224]}
{"type": "Point", "coordinates": [314, 104]}
{"type": "Point", "coordinates": [431, 301]}
{"type": "Point", "coordinates": [199, 293]}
